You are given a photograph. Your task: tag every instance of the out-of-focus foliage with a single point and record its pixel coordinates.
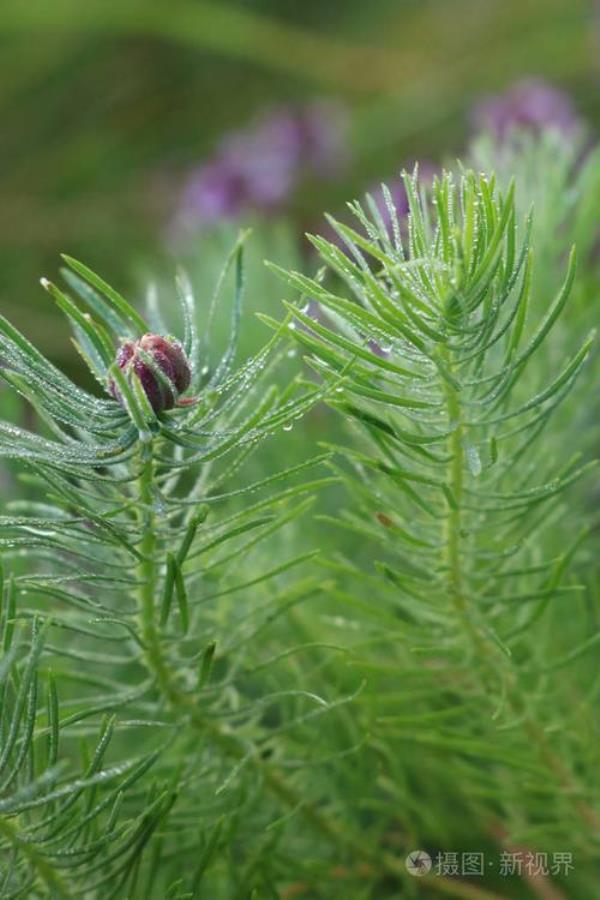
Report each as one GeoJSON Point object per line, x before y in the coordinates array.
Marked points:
{"type": "Point", "coordinates": [106, 105]}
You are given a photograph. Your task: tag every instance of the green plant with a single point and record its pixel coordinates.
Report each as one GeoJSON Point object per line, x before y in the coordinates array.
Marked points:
{"type": "Point", "coordinates": [197, 704]}
{"type": "Point", "coordinates": [456, 481]}
{"type": "Point", "coordinates": [110, 623]}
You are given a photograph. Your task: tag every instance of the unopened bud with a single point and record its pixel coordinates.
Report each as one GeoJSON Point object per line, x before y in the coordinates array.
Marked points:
{"type": "Point", "coordinates": [161, 366]}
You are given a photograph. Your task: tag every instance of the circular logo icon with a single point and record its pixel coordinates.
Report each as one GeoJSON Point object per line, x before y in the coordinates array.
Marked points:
{"type": "Point", "coordinates": [418, 863]}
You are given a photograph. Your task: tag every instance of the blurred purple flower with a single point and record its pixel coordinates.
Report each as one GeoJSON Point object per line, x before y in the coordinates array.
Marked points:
{"type": "Point", "coordinates": [213, 192]}
{"type": "Point", "coordinates": [531, 104]}
{"type": "Point", "coordinates": [260, 167]}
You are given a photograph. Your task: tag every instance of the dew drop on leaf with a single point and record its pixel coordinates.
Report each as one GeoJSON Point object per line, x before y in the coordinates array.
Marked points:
{"type": "Point", "coordinates": [473, 459]}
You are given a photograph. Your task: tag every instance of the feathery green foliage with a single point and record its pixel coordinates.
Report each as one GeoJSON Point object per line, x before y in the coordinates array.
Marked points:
{"type": "Point", "coordinates": [456, 479]}
{"type": "Point", "coordinates": [119, 598]}
{"type": "Point", "coordinates": [194, 702]}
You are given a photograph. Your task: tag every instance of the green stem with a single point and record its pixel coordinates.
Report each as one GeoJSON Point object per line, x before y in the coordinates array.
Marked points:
{"type": "Point", "coordinates": [453, 544]}
{"type": "Point", "coordinates": [454, 521]}
{"type": "Point", "coordinates": [147, 574]}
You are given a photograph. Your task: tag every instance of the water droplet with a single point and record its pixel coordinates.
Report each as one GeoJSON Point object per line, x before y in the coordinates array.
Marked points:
{"type": "Point", "coordinates": [473, 459]}
{"type": "Point", "coordinates": [288, 426]}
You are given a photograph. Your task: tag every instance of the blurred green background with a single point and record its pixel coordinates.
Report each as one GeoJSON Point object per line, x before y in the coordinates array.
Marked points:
{"type": "Point", "coordinates": [107, 105]}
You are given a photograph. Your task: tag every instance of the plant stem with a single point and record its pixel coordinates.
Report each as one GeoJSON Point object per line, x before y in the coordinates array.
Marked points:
{"type": "Point", "coordinates": [454, 524]}
{"type": "Point", "coordinates": [147, 573]}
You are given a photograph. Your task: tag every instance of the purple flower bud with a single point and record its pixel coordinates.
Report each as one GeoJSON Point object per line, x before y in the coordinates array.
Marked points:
{"type": "Point", "coordinates": [531, 105]}
{"type": "Point", "coordinates": [147, 355]}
